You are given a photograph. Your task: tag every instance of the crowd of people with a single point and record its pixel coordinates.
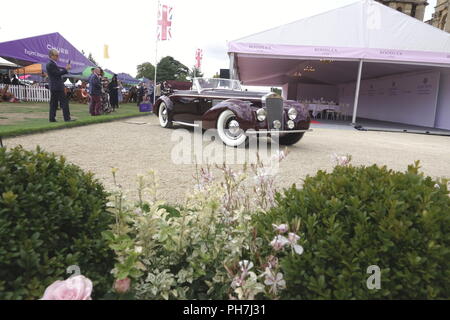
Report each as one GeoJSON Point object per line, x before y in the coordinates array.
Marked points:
{"type": "Point", "coordinates": [101, 94]}
{"type": "Point", "coordinates": [104, 95]}
{"type": "Point", "coordinates": [5, 79]}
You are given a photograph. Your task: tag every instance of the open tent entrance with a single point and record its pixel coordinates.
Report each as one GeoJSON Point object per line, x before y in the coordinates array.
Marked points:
{"type": "Point", "coordinates": [364, 56]}
{"type": "Point", "coordinates": [392, 92]}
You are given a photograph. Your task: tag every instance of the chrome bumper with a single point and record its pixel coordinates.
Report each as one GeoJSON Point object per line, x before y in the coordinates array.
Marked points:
{"type": "Point", "coordinates": [276, 132]}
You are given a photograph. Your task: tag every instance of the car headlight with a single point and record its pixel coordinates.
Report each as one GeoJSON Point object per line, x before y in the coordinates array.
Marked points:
{"type": "Point", "coordinates": [291, 124]}
{"type": "Point", "coordinates": [261, 114]}
{"type": "Point", "coordinates": [292, 113]}
{"type": "Point", "coordinates": [277, 125]}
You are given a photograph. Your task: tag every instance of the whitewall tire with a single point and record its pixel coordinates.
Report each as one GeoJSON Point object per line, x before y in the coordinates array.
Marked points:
{"type": "Point", "coordinates": [164, 116]}
{"type": "Point", "coordinates": [229, 129]}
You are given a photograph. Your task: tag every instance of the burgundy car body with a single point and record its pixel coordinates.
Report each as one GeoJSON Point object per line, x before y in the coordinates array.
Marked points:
{"type": "Point", "coordinates": [188, 107]}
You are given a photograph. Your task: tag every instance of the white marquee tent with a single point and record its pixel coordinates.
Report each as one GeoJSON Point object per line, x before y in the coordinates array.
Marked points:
{"type": "Point", "coordinates": [390, 66]}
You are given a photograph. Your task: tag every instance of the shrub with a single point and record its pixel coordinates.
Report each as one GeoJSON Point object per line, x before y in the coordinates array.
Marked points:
{"type": "Point", "coordinates": [204, 250]}
{"type": "Point", "coordinates": [354, 218]}
{"type": "Point", "coordinates": [51, 217]}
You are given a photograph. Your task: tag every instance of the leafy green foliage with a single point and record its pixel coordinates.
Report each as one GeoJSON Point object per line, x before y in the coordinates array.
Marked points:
{"type": "Point", "coordinates": [146, 70]}
{"type": "Point", "coordinates": [168, 69]}
{"type": "Point", "coordinates": [51, 217]}
{"type": "Point", "coordinates": [354, 218]}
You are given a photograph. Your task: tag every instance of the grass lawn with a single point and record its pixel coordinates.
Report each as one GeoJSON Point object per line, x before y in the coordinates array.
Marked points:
{"type": "Point", "coordinates": [32, 117]}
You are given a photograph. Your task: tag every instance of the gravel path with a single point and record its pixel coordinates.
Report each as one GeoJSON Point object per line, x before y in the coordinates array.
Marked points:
{"type": "Point", "coordinates": [137, 145]}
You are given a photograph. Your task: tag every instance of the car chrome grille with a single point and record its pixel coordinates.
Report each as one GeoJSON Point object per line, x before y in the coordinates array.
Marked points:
{"type": "Point", "coordinates": [274, 111]}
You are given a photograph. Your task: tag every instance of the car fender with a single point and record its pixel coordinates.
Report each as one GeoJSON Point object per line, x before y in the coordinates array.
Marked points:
{"type": "Point", "coordinates": [168, 103]}
{"type": "Point", "coordinates": [242, 109]}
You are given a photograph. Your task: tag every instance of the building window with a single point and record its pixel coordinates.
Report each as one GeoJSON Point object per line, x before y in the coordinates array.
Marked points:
{"type": "Point", "coordinates": [413, 10]}
{"type": "Point", "coordinates": [443, 21]}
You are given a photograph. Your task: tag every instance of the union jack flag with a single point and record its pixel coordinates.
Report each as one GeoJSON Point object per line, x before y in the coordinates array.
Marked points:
{"type": "Point", "coordinates": [198, 58]}
{"type": "Point", "coordinates": [165, 16]}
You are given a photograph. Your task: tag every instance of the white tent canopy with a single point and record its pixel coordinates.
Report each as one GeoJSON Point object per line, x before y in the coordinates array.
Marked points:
{"type": "Point", "coordinates": [364, 24]}
{"type": "Point", "coordinates": [7, 65]}
{"type": "Point", "coordinates": [364, 40]}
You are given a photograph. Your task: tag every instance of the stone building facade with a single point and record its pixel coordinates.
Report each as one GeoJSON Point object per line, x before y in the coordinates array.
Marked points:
{"type": "Point", "coordinates": [441, 18]}
{"type": "Point", "coordinates": [413, 8]}
{"type": "Point", "coordinates": [416, 9]}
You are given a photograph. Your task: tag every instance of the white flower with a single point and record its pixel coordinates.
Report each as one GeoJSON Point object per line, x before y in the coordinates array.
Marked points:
{"type": "Point", "coordinates": [341, 160]}
{"type": "Point", "coordinates": [279, 156]}
{"type": "Point", "coordinates": [282, 228]}
{"type": "Point", "coordinates": [437, 186]}
{"type": "Point", "coordinates": [138, 249]}
{"type": "Point", "coordinates": [237, 282]}
{"type": "Point", "coordinates": [279, 242]}
{"type": "Point", "coordinates": [274, 281]}
{"type": "Point", "coordinates": [246, 266]}
{"type": "Point", "coordinates": [293, 238]}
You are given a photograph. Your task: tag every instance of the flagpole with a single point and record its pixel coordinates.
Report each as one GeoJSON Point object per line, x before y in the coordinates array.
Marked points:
{"type": "Point", "coordinates": [156, 53]}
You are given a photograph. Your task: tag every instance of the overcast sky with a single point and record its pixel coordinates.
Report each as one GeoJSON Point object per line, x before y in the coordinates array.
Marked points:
{"type": "Point", "coordinates": [129, 27]}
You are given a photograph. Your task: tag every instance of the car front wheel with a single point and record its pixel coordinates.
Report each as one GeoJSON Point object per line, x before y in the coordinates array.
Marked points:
{"type": "Point", "coordinates": [290, 139]}
{"type": "Point", "coordinates": [164, 116]}
{"type": "Point", "coordinates": [229, 129]}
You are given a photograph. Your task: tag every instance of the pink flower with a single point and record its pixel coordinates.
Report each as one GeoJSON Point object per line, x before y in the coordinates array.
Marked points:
{"type": "Point", "coordinates": [122, 286]}
{"type": "Point", "coordinates": [282, 228]}
{"type": "Point", "coordinates": [74, 288]}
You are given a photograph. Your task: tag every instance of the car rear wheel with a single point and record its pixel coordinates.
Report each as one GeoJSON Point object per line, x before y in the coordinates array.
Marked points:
{"type": "Point", "coordinates": [290, 139]}
{"type": "Point", "coordinates": [229, 129]}
{"type": "Point", "coordinates": [164, 116]}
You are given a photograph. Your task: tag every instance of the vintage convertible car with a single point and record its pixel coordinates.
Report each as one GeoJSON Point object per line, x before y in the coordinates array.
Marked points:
{"type": "Point", "coordinates": [236, 114]}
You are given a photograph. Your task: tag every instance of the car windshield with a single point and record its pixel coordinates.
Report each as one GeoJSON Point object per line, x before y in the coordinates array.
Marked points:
{"type": "Point", "coordinates": [201, 84]}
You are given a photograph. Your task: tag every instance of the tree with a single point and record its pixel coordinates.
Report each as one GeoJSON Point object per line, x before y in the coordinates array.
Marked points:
{"type": "Point", "coordinates": [216, 76]}
{"type": "Point", "coordinates": [168, 69]}
{"type": "Point", "coordinates": [195, 73]}
{"type": "Point", "coordinates": [91, 58]}
{"type": "Point", "coordinates": [171, 69]}
{"type": "Point", "coordinates": [146, 70]}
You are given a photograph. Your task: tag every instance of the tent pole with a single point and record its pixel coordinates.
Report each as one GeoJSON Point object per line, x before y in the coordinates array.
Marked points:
{"type": "Point", "coordinates": [156, 54]}
{"type": "Point", "coordinates": [358, 86]}
{"type": "Point", "coordinates": [232, 75]}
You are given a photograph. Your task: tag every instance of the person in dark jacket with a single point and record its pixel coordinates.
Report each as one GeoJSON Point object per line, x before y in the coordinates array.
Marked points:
{"type": "Point", "coordinates": [6, 79]}
{"type": "Point", "coordinates": [140, 94]}
{"type": "Point", "coordinates": [95, 87]}
{"type": "Point", "coordinates": [113, 88]}
{"type": "Point", "coordinates": [56, 86]}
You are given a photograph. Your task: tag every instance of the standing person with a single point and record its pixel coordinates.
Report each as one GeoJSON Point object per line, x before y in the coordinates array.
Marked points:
{"type": "Point", "coordinates": [56, 86]}
{"type": "Point", "coordinates": [6, 79]}
{"type": "Point", "coordinates": [95, 88]}
{"type": "Point", "coordinates": [113, 89]}
{"type": "Point", "coordinates": [120, 93]}
{"type": "Point", "coordinates": [158, 90]}
{"type": "Point", "coordinates": [15, 81]}
{"type": "Point", "coordinates": [140, 94]}
{"type": "Point", "coordinates": [106, 107]}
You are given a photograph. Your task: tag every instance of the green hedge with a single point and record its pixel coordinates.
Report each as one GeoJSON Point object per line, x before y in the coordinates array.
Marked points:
{"type": "Point", "coordinates": [354, 218]}
{"type": "Point", "coordinates": [51, 217]}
